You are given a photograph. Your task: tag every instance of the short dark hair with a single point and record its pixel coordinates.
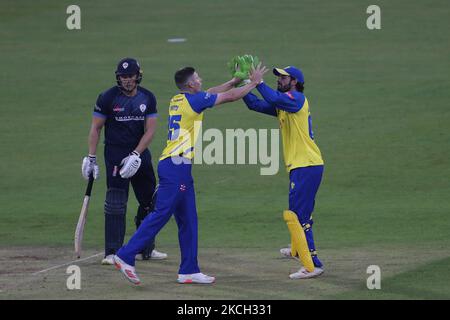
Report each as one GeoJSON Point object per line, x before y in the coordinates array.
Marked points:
{"type": "Point", "coordinates": [182, 76]}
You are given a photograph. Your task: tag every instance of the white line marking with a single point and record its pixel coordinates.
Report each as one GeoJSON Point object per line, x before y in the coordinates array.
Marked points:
{"type": "Point", "coordinates": [176, 40]}
{"type": "Point", "coordinates": [67, 263]}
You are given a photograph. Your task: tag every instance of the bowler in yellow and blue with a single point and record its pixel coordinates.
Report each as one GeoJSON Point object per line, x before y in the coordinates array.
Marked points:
{"type": "Point", "coordinates": [176, 193]}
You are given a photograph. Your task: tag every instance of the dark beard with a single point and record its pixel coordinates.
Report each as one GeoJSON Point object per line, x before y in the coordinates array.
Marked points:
{"type": "Point", "coordinates": [282, 89]}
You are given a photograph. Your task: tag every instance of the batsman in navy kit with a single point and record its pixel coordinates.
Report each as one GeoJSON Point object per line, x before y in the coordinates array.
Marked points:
{"type": "Point", "coordinates": [128, 113]}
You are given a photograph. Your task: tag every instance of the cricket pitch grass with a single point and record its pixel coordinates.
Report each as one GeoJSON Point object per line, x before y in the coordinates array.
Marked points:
{"type": "Point", "coordinates": [250, 273]}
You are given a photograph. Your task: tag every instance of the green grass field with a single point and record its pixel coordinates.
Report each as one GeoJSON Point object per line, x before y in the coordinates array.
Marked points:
{"type": "Point", "coordinates": [379, 103]}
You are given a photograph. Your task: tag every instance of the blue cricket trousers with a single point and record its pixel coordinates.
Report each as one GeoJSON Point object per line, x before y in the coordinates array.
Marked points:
{"type": "Point", "coordinates": [303, 187]}
{"type": "Point", "coordinates": [175, 196]}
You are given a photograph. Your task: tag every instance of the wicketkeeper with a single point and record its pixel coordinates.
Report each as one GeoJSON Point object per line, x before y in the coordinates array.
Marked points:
{"type": "Point", "coordinates": [128, 113]}
{"type": "Point", "coordinates": [302, 156]}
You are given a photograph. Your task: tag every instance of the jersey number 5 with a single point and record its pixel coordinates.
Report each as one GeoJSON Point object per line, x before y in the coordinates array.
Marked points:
{"type": "Point", "coordinates": [174, 127]}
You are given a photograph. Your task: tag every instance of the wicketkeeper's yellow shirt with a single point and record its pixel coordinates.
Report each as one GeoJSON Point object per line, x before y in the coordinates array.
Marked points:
{"type": "Point", "coordinates": [292, 110]}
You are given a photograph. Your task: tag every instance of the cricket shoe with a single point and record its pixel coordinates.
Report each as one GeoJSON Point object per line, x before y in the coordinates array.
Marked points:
{"type": "Point", "coordinates": [195, 278]}
{"type": "Point", "coordinates": [286, 252]}
{"type": "Point", "coordinates": [128, 271]}
{"type": "Point", "coordinates": [305, 274]}
{"type": "Point", "coordinates": [155, 255]}
{"type": "Point", "coordinates": [108, 260]}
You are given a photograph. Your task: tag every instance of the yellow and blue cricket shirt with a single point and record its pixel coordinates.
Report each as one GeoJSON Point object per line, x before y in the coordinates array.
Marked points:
{"type": "Point", "coordinates": [185, 118]}
{"type": "Point", "coordinates": [292, 110]}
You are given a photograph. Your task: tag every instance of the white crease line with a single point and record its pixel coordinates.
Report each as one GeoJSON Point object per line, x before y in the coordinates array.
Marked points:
{"type": "Point", "coordinates": [67, 263]}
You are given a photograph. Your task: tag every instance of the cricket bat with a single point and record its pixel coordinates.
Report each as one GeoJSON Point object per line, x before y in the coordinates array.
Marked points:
{"type": "Point", "coordinates": [79, 231]}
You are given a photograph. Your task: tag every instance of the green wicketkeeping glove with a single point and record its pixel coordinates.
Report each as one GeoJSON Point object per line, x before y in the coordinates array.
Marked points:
{"type": "Point", "coordinates": [246, 62]}
{"type": "Point", "coordinates": [240, 67]}
{"type": "Point", "coordinates": [233, 65]}
{"type": "Point", "coordinates": [252, 61]}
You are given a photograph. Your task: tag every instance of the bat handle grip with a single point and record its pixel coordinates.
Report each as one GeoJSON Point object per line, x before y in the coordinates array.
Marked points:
{"type": "Point", "coordinates": [89, 186]}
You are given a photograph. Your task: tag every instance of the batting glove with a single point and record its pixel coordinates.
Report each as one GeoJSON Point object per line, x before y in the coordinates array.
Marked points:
{"type": "Point", "coordinates": [88, 166]}
{"type": "Point", "coordinates": [130, 165]}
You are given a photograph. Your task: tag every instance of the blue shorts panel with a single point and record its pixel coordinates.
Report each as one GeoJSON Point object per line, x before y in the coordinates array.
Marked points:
{"type": "Point", "coordinates": [303, 186]}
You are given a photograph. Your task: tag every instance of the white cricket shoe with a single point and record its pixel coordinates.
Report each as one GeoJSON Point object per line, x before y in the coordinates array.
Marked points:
{"type": "Point", "coordinates": [286, 252]}
{"type": "Point", "coordinates": [156, 255]}
{"type": "Point", "coordinates": [108, 260]}
{"type": "Point", "coordinates": [195, 278]}
{"type": "Point", "coordinates": [128, 271]}
{"type": "Point", "coordinates": [304, 274]}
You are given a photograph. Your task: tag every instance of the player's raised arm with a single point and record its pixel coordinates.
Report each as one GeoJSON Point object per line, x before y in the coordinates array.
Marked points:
{"type": "Point", "coordinates": [225, 86]}
{"type": "Point", "coordinates": [256, 76]}
{"type": "Point", "coordinates": [287, 101]}
{"type": "Point", "coordinates": [259, 105]}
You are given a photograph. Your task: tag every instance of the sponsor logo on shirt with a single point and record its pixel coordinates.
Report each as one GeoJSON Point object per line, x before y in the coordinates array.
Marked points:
{"type": "Point", "coordinates": [130, 118]}
{"type": "Point", "coordinates": [117, 108]}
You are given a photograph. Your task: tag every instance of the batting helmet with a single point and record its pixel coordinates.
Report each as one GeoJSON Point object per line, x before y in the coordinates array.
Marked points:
{"type": "Point", "coordinates": [128, 66]}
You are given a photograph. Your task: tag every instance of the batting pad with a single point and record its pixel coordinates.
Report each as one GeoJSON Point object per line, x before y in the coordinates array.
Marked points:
{"type": "Point", "coordinates": [115, 222]}
{"type": "Point", "coordinates": [299, 246]}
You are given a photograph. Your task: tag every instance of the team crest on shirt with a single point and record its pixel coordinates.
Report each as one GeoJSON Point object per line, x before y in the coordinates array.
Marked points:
{"type": "Point", "coordinates": [142, 107]}
{"type": "Point", "coordinates": [125, 65]}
